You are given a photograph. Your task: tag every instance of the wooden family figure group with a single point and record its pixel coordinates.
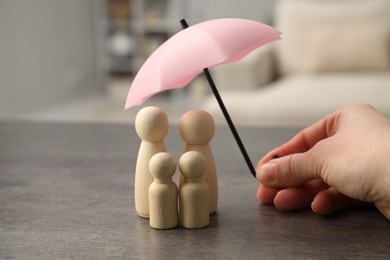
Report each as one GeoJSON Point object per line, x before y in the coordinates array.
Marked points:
{"type": "Point", "coordinates": [157, 197]}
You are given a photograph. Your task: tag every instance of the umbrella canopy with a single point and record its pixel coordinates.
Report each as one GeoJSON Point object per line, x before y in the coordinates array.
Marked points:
{"type": "Point", "coordinates": [191, 51]}
{"type": "Point", "coordinates": [182, 57]}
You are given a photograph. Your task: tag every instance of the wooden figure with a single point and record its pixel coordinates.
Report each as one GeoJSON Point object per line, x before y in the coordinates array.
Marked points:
{"type": "Point", "coordinates": [197, 129]}
{"type": "Point", "coordinates": [163, 193]}
{"type": "Point", "coordinates": [193, 192]}
{"type": "Point", "coordinates": [151, 125]}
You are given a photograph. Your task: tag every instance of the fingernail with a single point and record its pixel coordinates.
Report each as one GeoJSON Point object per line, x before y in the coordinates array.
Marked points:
{"type": "Point", "coordinates": [314, 207]}
{"type": "Point", "coordinates": [266, 172]}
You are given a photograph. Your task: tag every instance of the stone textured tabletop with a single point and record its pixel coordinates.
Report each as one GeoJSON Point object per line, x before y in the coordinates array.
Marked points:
{"type": "Point", "coordinates": [66, 191]}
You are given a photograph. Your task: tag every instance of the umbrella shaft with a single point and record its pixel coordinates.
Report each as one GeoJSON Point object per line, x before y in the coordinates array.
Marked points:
{"type": "Point", "coordinates": [226, 114]}
{"type": "Point", "coordinates": [229, 121]}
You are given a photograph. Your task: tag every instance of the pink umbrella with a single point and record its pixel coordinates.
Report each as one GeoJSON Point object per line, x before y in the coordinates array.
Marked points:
{"type": "Point", "coordinates": [189, 52]}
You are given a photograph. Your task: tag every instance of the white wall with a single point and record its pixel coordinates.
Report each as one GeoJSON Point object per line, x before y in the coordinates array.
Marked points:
{"type": "Point", "coordinates": [46, 53]}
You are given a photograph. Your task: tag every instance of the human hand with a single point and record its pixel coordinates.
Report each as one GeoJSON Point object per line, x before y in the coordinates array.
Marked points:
{"type": "Point", "coordinates": [341, 161]}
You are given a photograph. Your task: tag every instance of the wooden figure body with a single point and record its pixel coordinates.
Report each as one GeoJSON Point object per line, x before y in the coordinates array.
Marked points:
{"type": "Point", "coordinates": [197, 129]}
{"type": "Point", "coordinates": [151, 125]}
{"type": "Point", "coordinates": [193, 192]}
{"type": "Point", "coordinates": [163, 193]}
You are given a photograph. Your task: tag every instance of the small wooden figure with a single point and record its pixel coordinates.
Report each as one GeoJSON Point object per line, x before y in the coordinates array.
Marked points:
{"type": "Point", "coordinates": [193, 192]}
{"type": "Point", "coordinates": [197, 129]}
{"type": "Point", "coordinates": [151, 125]}
{"type": "Point", "coordinates": [163, 193]}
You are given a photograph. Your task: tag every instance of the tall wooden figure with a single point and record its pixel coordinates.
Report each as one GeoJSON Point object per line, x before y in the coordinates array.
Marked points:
{"type": "Point", "coordinates": [193, 193]}
{"type": "Point", "coordinates": [151, 125]}
{"type": "Point", "coordinates": [197, 129]}
{"type": "Point", "coordinates": [163, 194]}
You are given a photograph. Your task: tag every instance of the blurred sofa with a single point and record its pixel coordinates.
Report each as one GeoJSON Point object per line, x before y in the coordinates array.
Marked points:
{"type": "Point", "coordinates": [332, 53]}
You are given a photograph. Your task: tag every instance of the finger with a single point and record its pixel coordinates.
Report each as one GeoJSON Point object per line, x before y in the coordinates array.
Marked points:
{"type": "Point", "coordinates": [330, 200]}
{"type": "Point", "coordinates": [298, 197]}
{"type": "Point", "coordinates": [266, 194]}
{"type": "Point", "coordinates": [306, 139]}
{"type": "Point", "coordinates": [291, 170]}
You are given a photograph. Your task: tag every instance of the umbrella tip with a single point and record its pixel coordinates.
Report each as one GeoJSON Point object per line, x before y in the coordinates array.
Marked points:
{"type": "Point", "coordinates": [184, 23]}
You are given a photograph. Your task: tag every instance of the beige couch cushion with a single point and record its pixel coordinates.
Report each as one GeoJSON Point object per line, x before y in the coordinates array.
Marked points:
{"type": "Point", "coordinates": [300, 100]}
{"type": "Point", "coordinates": [347, 47]}
{"type": "Point", "coordinates": [298, 19]}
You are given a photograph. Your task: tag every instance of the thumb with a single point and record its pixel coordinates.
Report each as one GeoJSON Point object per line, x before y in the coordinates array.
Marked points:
{"type": "Point", "coordinates": [291, 170]}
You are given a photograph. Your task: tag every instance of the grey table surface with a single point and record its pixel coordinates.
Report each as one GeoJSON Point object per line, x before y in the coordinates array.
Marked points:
{"type": "Point", "coordinates": [66, 191]}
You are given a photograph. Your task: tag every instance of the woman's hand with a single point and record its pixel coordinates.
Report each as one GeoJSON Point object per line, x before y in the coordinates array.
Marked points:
{"type": "Point", "coordinates": [341, 161]}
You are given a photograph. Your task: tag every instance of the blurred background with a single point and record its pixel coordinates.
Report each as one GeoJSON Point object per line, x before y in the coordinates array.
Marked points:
{"type": "Point", "coordinates": [74, 60]}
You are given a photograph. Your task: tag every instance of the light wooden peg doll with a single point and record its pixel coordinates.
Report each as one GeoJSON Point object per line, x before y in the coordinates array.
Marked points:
{"type": "Point", "coordinates": [163, 193]}
{"type": "Point", "coordinates": [151, 125]}
{"type": "Point", "coordinates": [197, 129]}
{"type": "Point", "coordinates": [193, 192]}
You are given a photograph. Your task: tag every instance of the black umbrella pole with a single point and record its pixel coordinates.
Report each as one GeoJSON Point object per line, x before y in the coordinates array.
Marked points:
{"type": "Point", "coordinates": [225, 113]}
{"type": "Point", "coordinates": [230, 122]}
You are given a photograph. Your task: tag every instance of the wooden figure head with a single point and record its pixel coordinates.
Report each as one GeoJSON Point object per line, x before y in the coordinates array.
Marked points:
{"type": "Point", "coordinates": [197, 127]}
{"type": "Point", "coordinates": [151, 124]}
{"type": "Point", "coordinates": [192, 164]}
{"type": "Point", "coordinates": [162, 166]}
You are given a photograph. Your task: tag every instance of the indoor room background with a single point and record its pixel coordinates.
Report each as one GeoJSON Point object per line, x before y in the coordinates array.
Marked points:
{"type": "Point", "coordinates": [75, 60]}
